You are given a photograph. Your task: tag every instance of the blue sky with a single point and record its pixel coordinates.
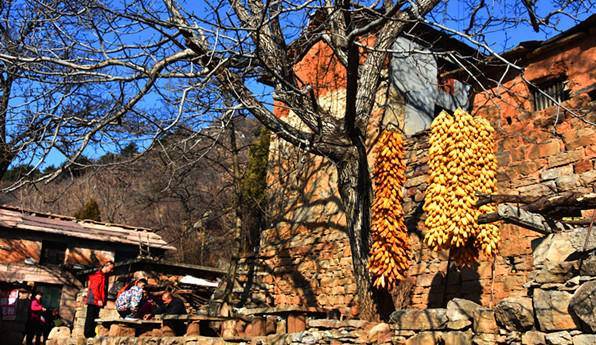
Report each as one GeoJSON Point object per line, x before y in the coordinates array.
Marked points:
{"type": "Point", "coordinates": [499, 40]}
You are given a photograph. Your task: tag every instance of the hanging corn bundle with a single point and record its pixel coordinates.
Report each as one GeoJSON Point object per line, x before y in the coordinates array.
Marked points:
{"type": "Point", "coordinates": [461, 163]}
{"type": "Point", "coordinates": [389, 254]}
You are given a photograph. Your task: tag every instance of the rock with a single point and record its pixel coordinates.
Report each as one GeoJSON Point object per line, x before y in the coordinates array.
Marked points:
{"type": "Point", "coordinates": [436, 338]}
{"type": "Point", "coordinates": [584, 339]}
{"type": "Point", "coordinates": [588, 267]}
{"type": "Point", "coordinates": [59, 332]}
{"type": "Point", "coordinates": [167, 331]}
{"type": "Point", "coordinates": [484, 321]}
{"type": "Point", "coordinates": [281, 327]}
{"type": "Point", "coordinates": [193, 329]}
{"type": "Point", "coordinates": [515, 313]}
{"type": "Point", "coordinates": [558, 338]}
{"type": "Point", "coordinates": [580, 240]}
{"type": "Point", "coordinates": [556, 272]}
{"type": "Point", "coordinates": [551, 308]}
{"type": "Point", "coordinates": [309, 338]}
{"type": "Point", "coordinates": [456, 338]}
{"type": "Point", "coordinates": [573, 281]}
{"type": "Point", "coordinates": [121, 331]}
{"type": "Point", "coordinates": [556, 248]}
{"type": "Point", "coordinates": [413, 319]}
{"type": "Point", "coordinates": [333, 324]}
{"type": "Point", "coordinates": [102, 331]}
{"type": "Point", "coordinates": [151, 333]}
{"type": "Point", "coordinates": [512, 337]}
{"type": "Point", "coordinates": [485, 339]}
{"type": "Point", "coordinates": [228, 329]}
{"type": "Point", "coordinates": [423, 338]}
{"type": "Point", "coordinates": [380, 333]}
{"type": "Point", "coordinates": [583, 304]}
{"type": "Point", "coordinates": [533, 338]}
{"type": "Point", "coordinates": [461, 309]}
{"type": "Point", "coordinates": [567, 182]}
{"type": "Point", "coordinates": [459, 324]}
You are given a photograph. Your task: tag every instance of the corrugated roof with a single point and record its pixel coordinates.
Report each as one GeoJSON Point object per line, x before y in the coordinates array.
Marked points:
{"type": "Point", "coordinates": [17, 218]}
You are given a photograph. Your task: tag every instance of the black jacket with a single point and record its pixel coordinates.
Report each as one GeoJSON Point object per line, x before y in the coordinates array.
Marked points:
{"type": "Point", "coordinates": [176, 307]}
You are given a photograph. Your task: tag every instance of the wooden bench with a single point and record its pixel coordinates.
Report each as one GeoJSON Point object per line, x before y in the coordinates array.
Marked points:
{"type": "Point", "coordinates": [115, 327]}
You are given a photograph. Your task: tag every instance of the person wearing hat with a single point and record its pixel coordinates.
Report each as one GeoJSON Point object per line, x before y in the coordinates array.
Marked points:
{"type": "Point", "coordinates": [129, 302]}
{"type": "Point", "coordinates": [97, 296]}
{"type": "Point", "coordinates": [36, 324]}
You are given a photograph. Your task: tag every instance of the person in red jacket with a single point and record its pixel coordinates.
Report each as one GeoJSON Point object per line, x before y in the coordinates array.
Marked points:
{"type": "Point", "coordinates": [97, 294]}
{"type": "Point", "coordinates": [37, 321]}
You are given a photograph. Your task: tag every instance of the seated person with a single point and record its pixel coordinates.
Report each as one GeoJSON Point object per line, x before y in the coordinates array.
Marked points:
{"type": "Point", "coordinates": [147, 307]}
{"type": "Point", "coordinates": [172, 306]}
{"type": "Point", "coordinates": [130, 301]}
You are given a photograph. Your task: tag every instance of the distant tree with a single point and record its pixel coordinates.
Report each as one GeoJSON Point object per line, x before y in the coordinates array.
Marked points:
{"type": "Point", "coordinates": [78, 167]}
{"type": "Point", "coordinates": [253, 189]}
{"type": "Point", "coordinates": [107, 158]}
{"type": "Point", "coordinates": [49, 169]}
{"type": "Point", "coordinates": [17, 172]}
{"type": "Point", "coordinates": [129, 150]}
{"type": "Point", "coordinates": [89, 211]}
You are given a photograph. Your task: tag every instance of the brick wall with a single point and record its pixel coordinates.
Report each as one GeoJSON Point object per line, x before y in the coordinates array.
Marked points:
{"type": "Point", "coordinates": [305, 255]}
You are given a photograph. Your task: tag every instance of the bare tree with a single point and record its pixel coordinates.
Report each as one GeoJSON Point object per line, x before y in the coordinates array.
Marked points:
{"type": "Point", "coordinates": [116, 60]}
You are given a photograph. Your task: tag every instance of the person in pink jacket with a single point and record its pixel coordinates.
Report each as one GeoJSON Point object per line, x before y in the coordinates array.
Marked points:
{"type": "Point", "coordinates": [37, 321]}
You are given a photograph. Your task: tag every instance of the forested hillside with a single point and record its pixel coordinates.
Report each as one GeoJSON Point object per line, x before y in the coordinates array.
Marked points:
{"type": "Point", "coordinates": [184, 188]}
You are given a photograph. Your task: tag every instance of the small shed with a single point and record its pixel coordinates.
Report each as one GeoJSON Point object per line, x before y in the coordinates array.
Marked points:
{"type": "Point", "coordinates": [41, 250]}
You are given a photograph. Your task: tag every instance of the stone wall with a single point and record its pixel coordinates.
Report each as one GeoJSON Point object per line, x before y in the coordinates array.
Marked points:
{"type": "Point", "coordinates": [557, 309]}
{"type": "Point", "coordinates": [305, 257]}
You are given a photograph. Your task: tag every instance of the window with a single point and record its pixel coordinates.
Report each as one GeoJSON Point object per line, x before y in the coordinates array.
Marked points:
{"type": "Point", "coordinates": [52, 253]}
{"type": "Point", "coordinates": [51, 295]}
{"type": "Point", "coordinates": [553, 88]}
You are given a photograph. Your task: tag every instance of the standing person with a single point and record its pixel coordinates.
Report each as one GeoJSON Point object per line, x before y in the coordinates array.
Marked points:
{"type": "Point", "coordinates": [37, 321]}
{"type": "Point", "coordinates": [130, 301]}
{"type": "Point", "coordinates": [97, 294]}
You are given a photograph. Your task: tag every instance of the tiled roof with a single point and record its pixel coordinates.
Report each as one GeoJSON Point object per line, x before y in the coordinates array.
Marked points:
{"type": "Point", "coordinates": [20, 219]}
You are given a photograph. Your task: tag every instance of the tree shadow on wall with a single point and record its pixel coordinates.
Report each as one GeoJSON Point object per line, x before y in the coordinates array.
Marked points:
{"type": "Point", "coordinates": [302, 217]}
{"type": "Point", "coordinates": [455, 283]}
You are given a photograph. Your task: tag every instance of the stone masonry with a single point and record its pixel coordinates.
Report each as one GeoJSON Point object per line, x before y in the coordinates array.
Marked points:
{"type": "Point", "coordinates": [305, 257]}
{"type": "Point", "coordinates": [557, 308]}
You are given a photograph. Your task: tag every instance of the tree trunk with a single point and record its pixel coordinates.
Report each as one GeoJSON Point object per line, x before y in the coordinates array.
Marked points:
{"type": "Point", "coordinates": [6, 154]}
{"type": "Point", "coordinates": [233, 270]}
{"type": "Point", "coordinates": [356, 190]}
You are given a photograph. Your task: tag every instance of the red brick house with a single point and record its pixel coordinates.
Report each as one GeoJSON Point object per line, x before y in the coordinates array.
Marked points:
{"type": "Point", "coordinates": [542, 148]}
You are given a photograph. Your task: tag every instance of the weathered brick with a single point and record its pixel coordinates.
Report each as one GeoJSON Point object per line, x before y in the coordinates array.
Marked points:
{"type": "Point", "coordinates": [545, 149]}
{"type": "Point", "coordinates": [583, 166]}
{"type": "Point", "coordinates": [551, 174]}
{"type": "Point", "coordinates": [503, 158]}
{"type": "Point", "coordinates": [564, 158]}
{"type": "Point", "coordinates": [580, 138]}
{"type": "Point", "coordinates": [537, 190]}
{"type": "Point", "coordinates": [567, 182]}
{"type": "Point", "coordinates": [591, 151]}
{"type": "Point", "coordinates": [588, 178]}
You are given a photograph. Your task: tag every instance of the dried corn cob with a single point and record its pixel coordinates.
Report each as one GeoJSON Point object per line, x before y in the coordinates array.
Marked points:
{"type": "Point", "coordinates": [461, 163]}
{"type": "Point", "coordinates": [389, 254]}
